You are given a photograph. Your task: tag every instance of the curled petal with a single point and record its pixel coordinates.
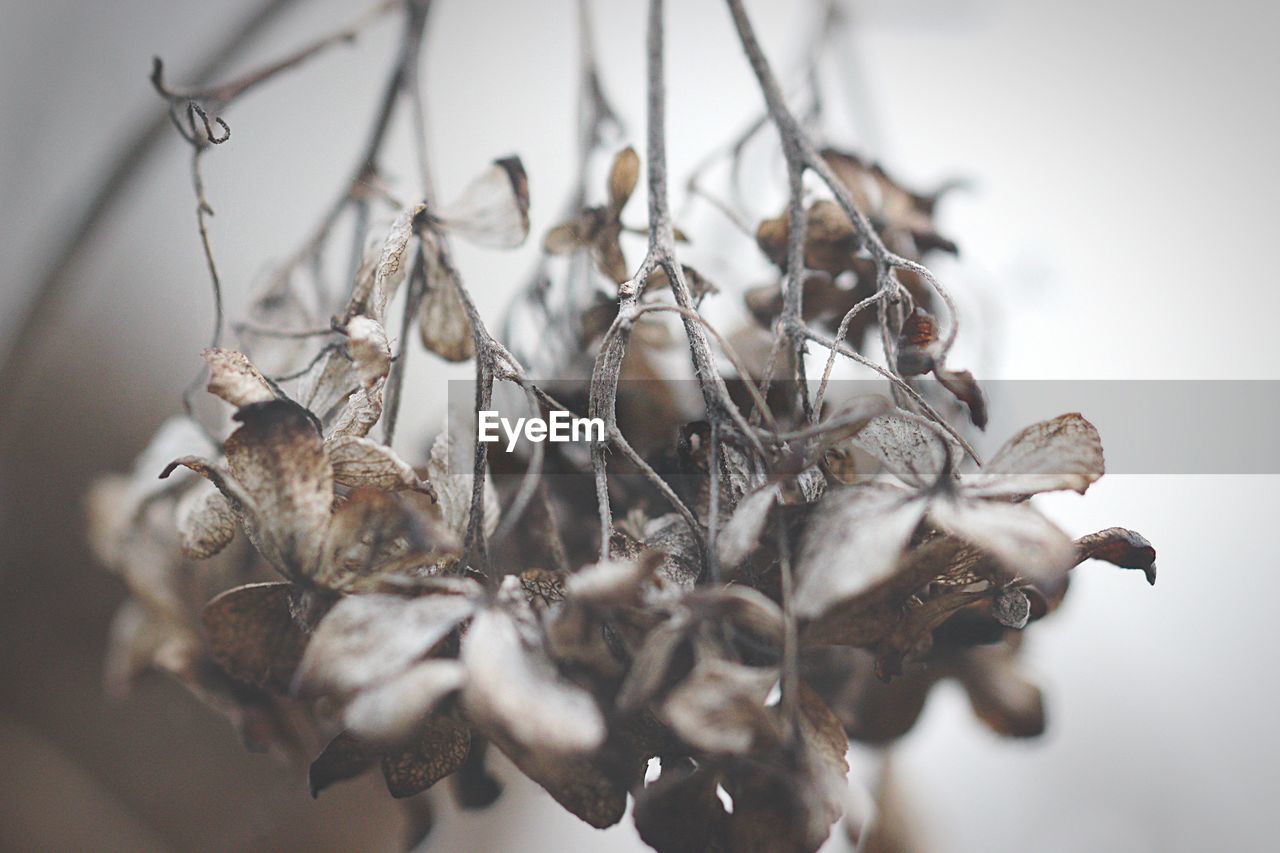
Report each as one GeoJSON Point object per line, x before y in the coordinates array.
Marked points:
{"type": "Point", "coordinates": [494, 208]}
{"type": "Point", "coordinates": [623, 176]}
{"type": "Point", "coordinates": [252, 633]}
{"type": "Point", "coordinates": [234, 378]}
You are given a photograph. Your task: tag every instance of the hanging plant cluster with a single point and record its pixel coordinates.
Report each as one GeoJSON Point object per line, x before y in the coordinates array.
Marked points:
{"type": "Point", "coordinates": [707, 643]}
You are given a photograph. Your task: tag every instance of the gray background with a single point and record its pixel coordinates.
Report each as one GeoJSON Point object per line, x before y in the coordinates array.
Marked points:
{"type": "Point", "coordinates": [1119, 226]}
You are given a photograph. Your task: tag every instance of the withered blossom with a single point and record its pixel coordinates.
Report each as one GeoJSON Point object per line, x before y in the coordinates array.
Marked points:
{"type": "Point", "coordinates": [698, 612]}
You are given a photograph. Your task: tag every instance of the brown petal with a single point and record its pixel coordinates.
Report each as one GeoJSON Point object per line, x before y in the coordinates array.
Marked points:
{"type": "Point", "coordinates": [1063, 453]}
{"type": "Point", "coordinates": [442, 319]}
{"type": "Point", "coordinates": [279, 459]}
{"type": "Point", "coordinates": [613, 583]}
{"type": "Point", "coordinates": [327, 384]}
{"type": "Point", "coordinates": [234, 378]}
{"type": "Point", "coordinates": [966, 389]}
{"type": "Point", "coordinates": [344, 757]}
{"type": "Point", "coordinates": [364, 462]}
{"type": "Point", "coordinates": [439, 751]}
{"type": "Point", "coordinates": [494, 208]}
{"type": "Point", "coordinates": [206, 522]}
{"type": "Point", "coordinates": [253, 636]}
{"type": "Point", "coordinates": [1127, 549]}
{"type": "Point", "coordinates": [623, 176]}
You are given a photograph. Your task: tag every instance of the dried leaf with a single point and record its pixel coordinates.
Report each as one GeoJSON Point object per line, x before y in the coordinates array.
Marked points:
{"type": "Point", "coordinates": [252, 634]}
{"type": "Point", "coordinates": [494, 208]}
{"type": "Point", "coordinates": [234, 378]}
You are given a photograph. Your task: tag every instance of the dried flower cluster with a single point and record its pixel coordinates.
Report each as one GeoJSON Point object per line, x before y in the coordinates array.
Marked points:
{"type": "Point", "coordinates": [818, 564]}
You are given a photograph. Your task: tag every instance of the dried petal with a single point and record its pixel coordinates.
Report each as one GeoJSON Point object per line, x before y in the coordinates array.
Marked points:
{"type": "Point", "coordinates": [966, 389]}
{"type": "Point", "coordinates": [368, 639]}
{"type": "Point", "coordinates": [252, 634]}
{"type": "Point", "coordinates": [442, 319]}
{"type": "Point", "coordinates": [494, 208]}
{"type": "Point", "coordinates": [515, 689]}
{"type": "Point", "coordinates": [279, 459]}
{"type": "Point", "coordinates": [1001, 696]}
{"type": "Point", "coordinates": [741, 535]}
{"type": "Point", "coordinates": [234, 378]}
{"type": "Point", "coordinates": [453, 490]}
{"type": "Point", "coordinates": [391, 711]}
{"type": "Point", "coordinates": [1118, 546]}
{"type": "Point", "coordinates": [1017, 535]}
{"type": "Point", "coordinates": [344, 757]}
{"type": "Point", "coordinates": [439, 751]}
{"type": "Point", "coordinates": [720, 707]}
{"type": "Point", "coordinates": [908, 446]}
{"type": "Point", "coordinates": [370, 351]}
{"type": "Point", "coordinates": [623, 176]}
{"type": "Point", "coordinates": [363, 462]}
{"type": "Point", "coordinates": [852, 543]}
{"type": "Point", "coordinates": [1063, 453]}
{"type": "Point", "coordinates": [206, 522]}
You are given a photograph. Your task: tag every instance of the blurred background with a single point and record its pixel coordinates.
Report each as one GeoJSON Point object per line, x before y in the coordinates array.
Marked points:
{"type": "Point", "coordinates": [1120, 157]}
